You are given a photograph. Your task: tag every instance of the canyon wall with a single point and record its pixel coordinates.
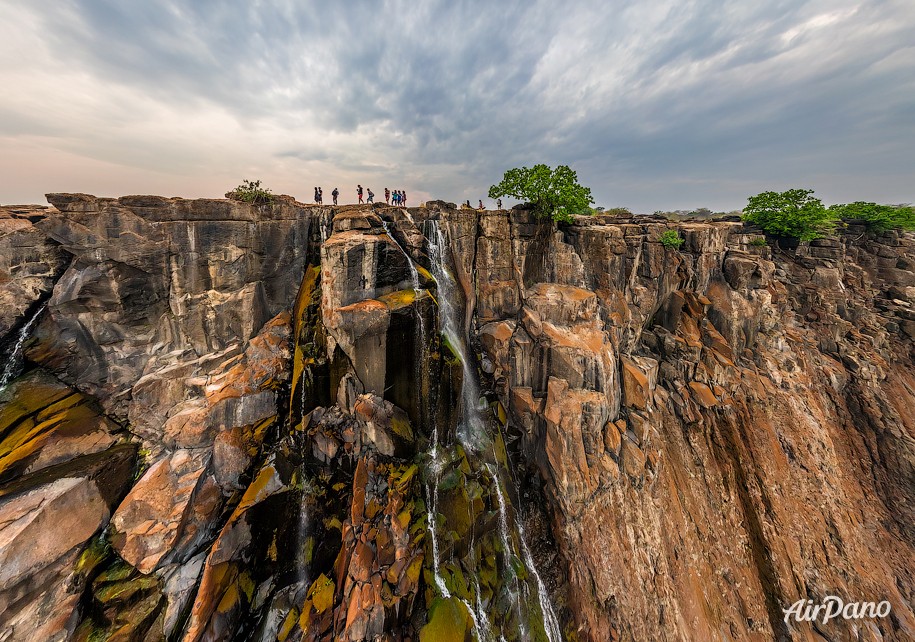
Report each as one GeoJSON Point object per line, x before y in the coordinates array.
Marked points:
{"type": "Point", "coordinates": [285, 422]}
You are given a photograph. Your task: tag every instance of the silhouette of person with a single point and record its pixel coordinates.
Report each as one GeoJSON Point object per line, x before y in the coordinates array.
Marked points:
{"type": "Point", "coordinates": [387, 196]}
{"type": "Point", "coordinates": [481, 204]}
{"type": "Point", "coordinates": [335, 194]}
{"type": "Point", "coordinates": [371, 194]}
{"type": "Point", "coordinates": [320, 196]}
{"type": "Point", "coordinates": [359, 192]}
{"type": "Point", "coordinates": [498, 203]}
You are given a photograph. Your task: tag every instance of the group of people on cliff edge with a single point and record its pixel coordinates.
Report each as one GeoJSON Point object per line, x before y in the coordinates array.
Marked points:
{"type": "Point", "coordinates": [398, 197]}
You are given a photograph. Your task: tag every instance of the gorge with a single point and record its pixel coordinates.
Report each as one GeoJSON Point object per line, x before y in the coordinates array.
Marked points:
{"type": "Point", "coordinates": [277, 422]}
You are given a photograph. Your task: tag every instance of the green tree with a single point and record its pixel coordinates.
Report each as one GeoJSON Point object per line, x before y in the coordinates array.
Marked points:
{"type": "Point", "coordinates": [793, 213]}
{"type": "Point", "coordinates": [554, 193]}
{"type": "Point", "coordinates": [878, 218]}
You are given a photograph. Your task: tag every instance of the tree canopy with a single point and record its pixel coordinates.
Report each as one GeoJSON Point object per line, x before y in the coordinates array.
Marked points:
{"type": "Point", "coordinates": [554, 193]}
{"type": "Point", "coordinates": [793, 213]}
{"type": "Point", "coordinates": [878, 218]}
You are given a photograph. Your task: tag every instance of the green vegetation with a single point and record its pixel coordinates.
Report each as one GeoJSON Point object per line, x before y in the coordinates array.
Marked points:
{"type": "Point", "coordinates": [617, 211]}
{"type": "Point", "coordinates": [793, 213]}
{"type": "Point", "coordinates": [251, 192]}
{"type": "Point", "coordinates": [671, 238]}
{"type": "Point", "coordinates": [758, 242]}
{"type": "Point", "coordinates": [554, 193]}
{"type": "Point", "coordinates": [878, 218]}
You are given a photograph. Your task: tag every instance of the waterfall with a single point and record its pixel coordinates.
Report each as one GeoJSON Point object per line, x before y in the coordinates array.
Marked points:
{"type": "Point", "coordinates": [506, 545]}
{"type": "Point", "coordinates": [472, 432]}
{"type": "Point", "coordinates": [474, 435]}
{"type": "Point", "coordinates": [13, 366]}
{"type": "Point", "coordinates": [301, 542]}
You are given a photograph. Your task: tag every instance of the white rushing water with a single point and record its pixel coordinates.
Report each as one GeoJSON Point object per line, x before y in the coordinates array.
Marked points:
{"type": "Point", "coordinates": [474, 435]}
{"type": "Point", "coordinates": [435, 464]}
{"type": "Point", "coordinates": [472, 432]}
{"type": "Point", "coordinates": [13, 365]}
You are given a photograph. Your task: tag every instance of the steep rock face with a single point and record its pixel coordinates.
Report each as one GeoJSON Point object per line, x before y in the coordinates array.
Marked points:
{"type": "Point", "coordinates": [30, 262]}
{"type": "Point", "coordinates": [699, 437]}
{"type": "Point", "coordinates": [755, 419]}
{"type": "Point", "coordinates": [159, 282]}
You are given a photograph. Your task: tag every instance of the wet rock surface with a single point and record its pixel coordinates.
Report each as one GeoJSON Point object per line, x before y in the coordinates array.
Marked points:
{"type": "Point", "coordinates": [288, 422]}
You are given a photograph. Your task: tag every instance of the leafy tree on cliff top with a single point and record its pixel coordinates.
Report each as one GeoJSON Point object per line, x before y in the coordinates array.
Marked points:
{"type": "Point", "coordinates": [554, 193]}
{"type": "Point", "coordinates": [878, 218]}
{"type": "Point", "coordinates": [793, 213]}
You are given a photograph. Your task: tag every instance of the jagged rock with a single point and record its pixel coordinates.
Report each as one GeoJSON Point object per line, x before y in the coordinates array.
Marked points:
{"type": "Point", "coordinates": [698, 435]}
{"type": "Point", "coordinates": [149, 520]}
{"type": "Point", "coordinates": [45, 423]}
{"type": "Point", "coordinates": [46, 519]}
{"type": "Point", "coordinates": [155, 280]}
{"type": "Point", "coordinates": [633, 459]}
{"type": "Point", "coordinates": [30, 262]}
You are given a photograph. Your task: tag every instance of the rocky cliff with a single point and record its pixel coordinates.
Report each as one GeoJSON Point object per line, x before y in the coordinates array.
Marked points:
{"type": "Point", "coordinates": [287, 422]}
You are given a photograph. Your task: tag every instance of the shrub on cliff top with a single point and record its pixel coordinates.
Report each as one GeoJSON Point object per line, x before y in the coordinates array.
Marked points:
{"type": "Point", "coordinates": [554, 193]}
{"type": "Point", "coordinates": [793, 213]}
{"type": "Point", "coordinates": [879, 218]}
{"type": "Point", "coordinates": [671, 238]}
{"type": "Point", "coordinates": [251, 192]}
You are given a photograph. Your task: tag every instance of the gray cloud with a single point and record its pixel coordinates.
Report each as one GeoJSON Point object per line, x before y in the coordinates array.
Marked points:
{"type": "Point", "coordinates": [657, 105]}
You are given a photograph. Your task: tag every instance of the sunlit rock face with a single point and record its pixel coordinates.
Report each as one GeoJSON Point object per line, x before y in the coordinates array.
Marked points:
{"type": "Point", "coordinates": [290, 422]}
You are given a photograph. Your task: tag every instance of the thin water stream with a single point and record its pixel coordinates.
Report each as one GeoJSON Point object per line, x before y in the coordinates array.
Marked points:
{"type": "Point", "coordinates": [13, 366]}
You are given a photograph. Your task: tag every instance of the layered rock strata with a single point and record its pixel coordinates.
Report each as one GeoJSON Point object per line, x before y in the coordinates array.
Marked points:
{"type": "Point", "coordinates": [244, 422]}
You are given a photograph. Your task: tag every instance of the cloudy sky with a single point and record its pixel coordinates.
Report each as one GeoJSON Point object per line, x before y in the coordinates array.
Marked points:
{"type": "Point", "coordinates": [656, 104]}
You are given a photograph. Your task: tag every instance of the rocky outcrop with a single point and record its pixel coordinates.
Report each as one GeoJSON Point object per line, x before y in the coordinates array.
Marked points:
{"type": "Point", "coordinates": [288, 422]}
{"type": "Point", "coordinates": [30, 263]}
{"type": "Point", "coordinates": [720, 465]}
{"type": "Point", "coordinates": [63, 475]}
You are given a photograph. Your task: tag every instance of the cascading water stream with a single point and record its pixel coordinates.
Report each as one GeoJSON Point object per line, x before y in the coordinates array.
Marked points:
{"type": "Point", "coordinates": [13, 365]}
{"type": "Point", "coordinates": [473, 428]}
{"type": "Point", "coordinates": [481, 623]}
{"type": "Point", "coordinates": [550, 622]}
{"type": "Point", "coordinates": [474, 435]}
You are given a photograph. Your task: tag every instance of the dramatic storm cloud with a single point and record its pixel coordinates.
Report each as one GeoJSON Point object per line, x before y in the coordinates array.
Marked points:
{"type": "Point", "coordinates": [656, 104]}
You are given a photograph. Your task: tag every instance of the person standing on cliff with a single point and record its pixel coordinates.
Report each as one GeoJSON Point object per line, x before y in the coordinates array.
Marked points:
{"type": "Point", "coordinates": [371, 194]}
{"type": "Point", "coordinates": [403, 195]}
{"type": "Point", "coordinates": [320, 196]}
{"type": "Point", "coordinates": [359, 192]}
{"type": "Point", "coordinates": [498, 203]}
{"type": "Point", "coordinates": [387, 196]}
{"type": "Point", "coordinates": [335, 194]}
{"type": "Point", "coordinates": [316, 195]}
{"type": "Point", "coordinates": [481, 205]}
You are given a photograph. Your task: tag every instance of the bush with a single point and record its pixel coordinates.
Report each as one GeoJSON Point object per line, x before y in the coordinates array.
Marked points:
{"type": "Point", "coordinates": [879, 218]}
{"type": "Point", "coordinates": [251, 192]}
{"type": "Point", "coordinates": [671, 238]}
{"type": "Point", "coordinates": [554, 193]}
{"type": "Point", "coordinates": [618, 211]}
{"type": "Point", "coordinates": [758, 242]}
{"type": "Point", "coordinates": [794, 213]}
